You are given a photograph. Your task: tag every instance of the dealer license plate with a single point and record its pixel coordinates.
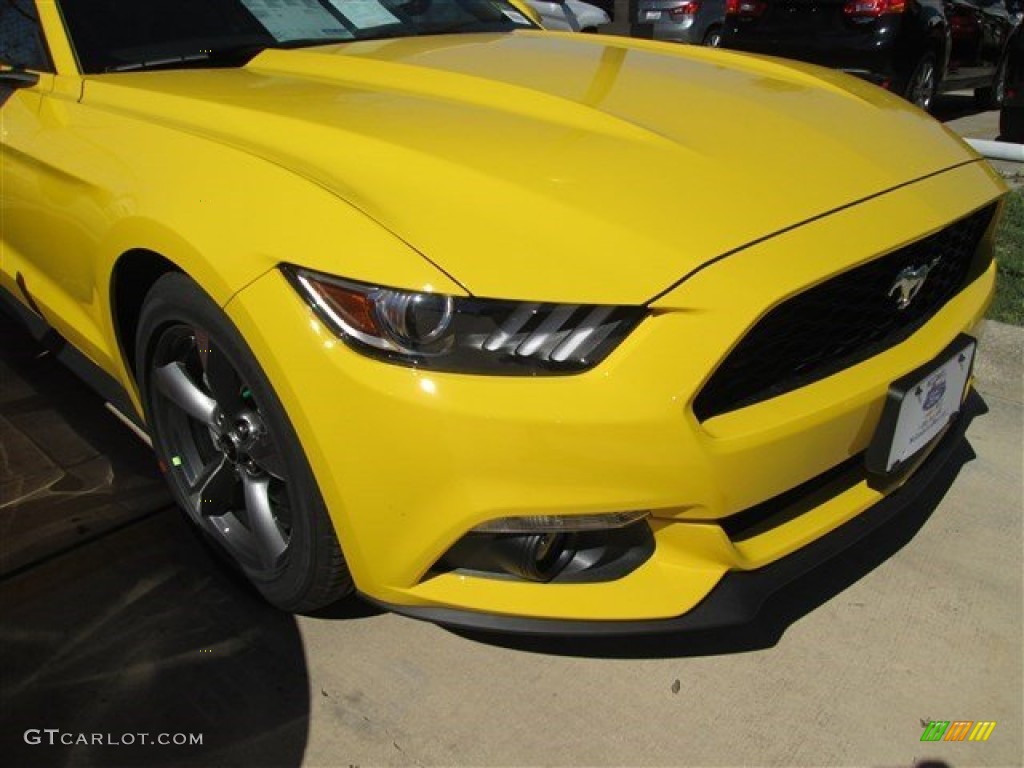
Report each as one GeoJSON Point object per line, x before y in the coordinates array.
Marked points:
{"type": "Point", "coordinates": [920, 406]}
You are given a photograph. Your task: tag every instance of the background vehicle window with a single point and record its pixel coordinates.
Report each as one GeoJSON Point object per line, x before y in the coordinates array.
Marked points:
{"type": "Point", "coordinates": [21, 41]}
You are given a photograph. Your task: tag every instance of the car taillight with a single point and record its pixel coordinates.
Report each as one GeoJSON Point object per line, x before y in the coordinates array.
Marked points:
{"type": "Point", "coordinates": [745, 8]}
{"type": "Point", "coordinates": [872, 9]}
{"type": "Point", "coordinates": [688, 8]}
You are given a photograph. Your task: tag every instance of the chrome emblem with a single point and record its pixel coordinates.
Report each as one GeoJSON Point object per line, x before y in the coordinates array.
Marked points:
{"type": "Point", "coordinates": [909, 282]}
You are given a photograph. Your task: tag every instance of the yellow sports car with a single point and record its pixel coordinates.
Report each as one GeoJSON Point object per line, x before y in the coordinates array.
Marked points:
{"type": "Point", "coordinates": [498, 327]}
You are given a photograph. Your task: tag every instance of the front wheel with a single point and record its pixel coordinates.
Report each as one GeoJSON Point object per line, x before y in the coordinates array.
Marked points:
{"type": "Point", "coordinates": [229, 453]}
{"type": "Point", "coordinates": [922, 84]}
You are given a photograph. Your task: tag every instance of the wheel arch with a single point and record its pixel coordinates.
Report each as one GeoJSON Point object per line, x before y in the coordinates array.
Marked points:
{"type": "Point", "coordinates": [929, 34]}
{"type": "Point", "coordinates": [939, 44]}
{"type": "Point", "coordinates": [133, 274]}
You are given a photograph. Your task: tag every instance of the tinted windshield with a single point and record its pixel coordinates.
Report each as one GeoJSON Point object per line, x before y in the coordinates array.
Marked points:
{"type": "Point", "coordinates": [113, 35]}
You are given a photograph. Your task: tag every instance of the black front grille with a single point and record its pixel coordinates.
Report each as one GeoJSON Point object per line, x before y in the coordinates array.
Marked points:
{"type": "Point", "coordinates": [845, 320]}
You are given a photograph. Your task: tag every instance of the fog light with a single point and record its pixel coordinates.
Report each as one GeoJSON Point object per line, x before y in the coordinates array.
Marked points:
{"type": "Point", "coordinates": [538, 557]}
{"type": "Point", "coordinates": [565, 523]}
{"type": "Point", "coordinates": [563, 556]}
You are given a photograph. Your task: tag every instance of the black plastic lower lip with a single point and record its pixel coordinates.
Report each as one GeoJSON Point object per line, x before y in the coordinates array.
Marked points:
{"type": "Point", "coordinates": [738, 597]}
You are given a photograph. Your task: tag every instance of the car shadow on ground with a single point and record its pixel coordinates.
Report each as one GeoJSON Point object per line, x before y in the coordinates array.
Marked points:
{"type": "Point", "coordinates": [953, 106]}
{"type": "Point", "coordinates": [140, 632]}
{"type": "Point", "coordinates": [117, 620]}
{"type": "Point", "coordinates": [781, 610]}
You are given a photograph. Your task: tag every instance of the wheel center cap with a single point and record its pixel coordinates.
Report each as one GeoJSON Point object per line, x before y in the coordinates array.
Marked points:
{"type": "Point", "coordinates": [235, 443]}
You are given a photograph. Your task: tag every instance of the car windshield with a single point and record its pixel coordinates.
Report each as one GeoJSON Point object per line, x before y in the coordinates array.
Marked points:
{"type": "Point", "coordinates": [123, 35]}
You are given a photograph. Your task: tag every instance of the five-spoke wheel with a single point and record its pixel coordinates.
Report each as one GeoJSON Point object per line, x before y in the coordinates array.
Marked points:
{"type": "Point", "coordinates": [220, 450]}
{"type": "Point", "coordinates": [229, 452]}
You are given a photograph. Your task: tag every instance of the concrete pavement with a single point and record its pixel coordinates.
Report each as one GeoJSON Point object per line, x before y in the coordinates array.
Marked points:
{"type": "Point", "coordinates": [959, 113]}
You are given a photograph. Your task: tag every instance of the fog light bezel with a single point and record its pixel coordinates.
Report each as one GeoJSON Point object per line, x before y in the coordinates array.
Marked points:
{"type": "Point", "coordinates": [600, 555]}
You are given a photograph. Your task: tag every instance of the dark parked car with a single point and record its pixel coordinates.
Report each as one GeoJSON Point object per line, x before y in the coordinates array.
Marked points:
{"type": "Point", "coordinates": [916, 48]}
{"type": "Point", "coordinates": [1011, 118]}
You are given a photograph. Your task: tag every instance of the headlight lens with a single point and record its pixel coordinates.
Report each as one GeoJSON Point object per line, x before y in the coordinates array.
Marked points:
{"type": "Point", "coordinates": [468, 335]}
{"type": "Point", "coordinates": [414, 320]}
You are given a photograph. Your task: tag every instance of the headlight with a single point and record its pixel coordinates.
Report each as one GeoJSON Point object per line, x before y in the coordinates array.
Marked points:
{"type": "Point", "coordinates": [468, 335]}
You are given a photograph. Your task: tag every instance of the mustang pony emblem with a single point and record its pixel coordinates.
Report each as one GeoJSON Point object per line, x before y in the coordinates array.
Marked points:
{"type": "Point", "coordinates": [909, 282]}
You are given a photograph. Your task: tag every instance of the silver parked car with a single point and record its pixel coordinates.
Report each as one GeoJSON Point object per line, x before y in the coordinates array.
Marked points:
{"type": "Point", "coordinates": [685, 21]}
{"type": "Point", "coordinates": [569, 15]}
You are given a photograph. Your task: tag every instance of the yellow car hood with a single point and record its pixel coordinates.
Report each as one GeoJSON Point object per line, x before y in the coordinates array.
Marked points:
{"type": "Point", "coordinates": [554, 167]}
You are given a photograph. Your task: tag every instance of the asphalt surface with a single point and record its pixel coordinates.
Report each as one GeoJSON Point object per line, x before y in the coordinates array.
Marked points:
{"type": "Point", "coordinates": [117, 621]}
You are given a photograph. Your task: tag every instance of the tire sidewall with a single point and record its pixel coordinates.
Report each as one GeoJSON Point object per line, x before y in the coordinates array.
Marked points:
{"type": "Point", "coordinates": [175, 299]}
{"type": "Point", "coordinates": [926, 60]}
{"type": "Point", "coordinates": [1011, 124]}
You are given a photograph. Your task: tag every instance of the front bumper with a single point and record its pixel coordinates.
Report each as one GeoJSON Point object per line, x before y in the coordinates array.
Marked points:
{"type": "Point", "coordinates": [739, 596]}
{"type": "Point", "coordinates": [409, 461]}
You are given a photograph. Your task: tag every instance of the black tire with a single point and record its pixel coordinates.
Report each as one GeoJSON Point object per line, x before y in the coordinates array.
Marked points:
{"type": "Point", "coordinates": [228, 451]}
{"type": "Point", "coordinates": [713, 37]}
{"type": "Point", "coordinates": [1011, 124]}
{"type": "Point", "coordinates": [922, 83]}
{"type": "Point", "coordinates": [991, 97]}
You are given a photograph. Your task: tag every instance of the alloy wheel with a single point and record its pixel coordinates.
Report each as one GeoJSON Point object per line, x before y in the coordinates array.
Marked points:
{"type": "Point", "coordinates": [921, 90]}
{"type": "Point", "coordinates": [713, 39]}
{"type": "Point", "coordinates": [229, 472]}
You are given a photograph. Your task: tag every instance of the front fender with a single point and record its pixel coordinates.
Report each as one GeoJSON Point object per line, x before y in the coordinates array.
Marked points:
{"type": "Point", "coordinates": [221, 215]}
